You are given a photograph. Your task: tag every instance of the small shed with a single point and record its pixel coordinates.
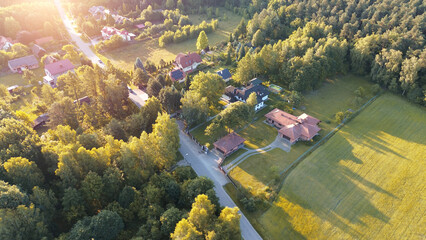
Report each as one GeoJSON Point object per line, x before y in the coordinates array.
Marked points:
{"type": "Point", "coordinates": [40, 121]}
{"type": "Point", "coordinates": [229, 144]}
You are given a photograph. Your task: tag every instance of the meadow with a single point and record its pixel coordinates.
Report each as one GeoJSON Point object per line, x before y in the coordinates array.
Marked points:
{"type": "Point", "coordinates": [10, 79]}
{"type": "Point", "coordinates": [149, 50]}
{"type": "Point", "coordinates": [366, 182]}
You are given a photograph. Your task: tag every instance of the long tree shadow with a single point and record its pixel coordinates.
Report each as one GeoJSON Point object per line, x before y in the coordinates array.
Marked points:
{"type": "Point", "coordinates": [328, 188]}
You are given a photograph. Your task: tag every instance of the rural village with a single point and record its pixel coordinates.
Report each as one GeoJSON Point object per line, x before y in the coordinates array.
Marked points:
{"type": "Point", "coordinates": [197, 119]}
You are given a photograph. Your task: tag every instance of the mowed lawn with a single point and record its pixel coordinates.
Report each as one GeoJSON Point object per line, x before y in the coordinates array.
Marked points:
{"type": "Point", "coordinates": [149, 50]}
{"type": "Point", "coordinates": [336, 94]}
{"type": "Point", "coordinates": [16, 78]}
{"type": "Point", "coordinates": [366, 182]}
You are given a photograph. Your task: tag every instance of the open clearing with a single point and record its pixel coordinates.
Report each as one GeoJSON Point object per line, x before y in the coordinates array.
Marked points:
{"type": "Point", "coordinates": [366, 182]}
{"type": "Point", "coordinates": [149, 50]}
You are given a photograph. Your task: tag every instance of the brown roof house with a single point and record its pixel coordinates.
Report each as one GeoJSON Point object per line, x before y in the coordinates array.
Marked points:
{"type": "Point", "coordinates": [293, 128]}
{"type": "Point", "coordinates": [188, 62]}
{"type": "Point", "coordinates": [56, 69]}
{"type": "Point", "coordinates": [229, 144]}
{"type": "Point", "coordinates": [23, 63]}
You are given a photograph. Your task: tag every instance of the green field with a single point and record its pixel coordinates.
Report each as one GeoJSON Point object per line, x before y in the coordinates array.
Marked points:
{"type": "Point", "coordinates": [149, 50]}
{"type": "Point", "coordinates": [16, 78]}
{"type": "Point", "coordinates": [366, 182]}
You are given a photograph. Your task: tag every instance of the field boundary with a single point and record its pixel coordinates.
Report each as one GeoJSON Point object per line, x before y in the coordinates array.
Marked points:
{"type": "Point", "coordinates": [284, 173]}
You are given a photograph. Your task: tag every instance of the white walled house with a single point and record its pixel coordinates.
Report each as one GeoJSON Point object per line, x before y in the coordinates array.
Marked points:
{"type": "Point", "coordinates": [188, 62]}
{"type": "Point", "coordinates": [108, 32]}
{"type": "Point", "coordinates": [56, 69]}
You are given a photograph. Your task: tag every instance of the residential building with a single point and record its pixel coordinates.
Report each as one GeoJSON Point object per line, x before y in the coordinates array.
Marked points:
{"type": "Point", "coordinates": [225, 74]}
{"type": "Point", "coordinates": [119, 19]}
{"type": "Point", "coordinates": [241, 94]}
{"type": "Point", "coordinates": [23, 63]}
{"type": "Point", "coordinates": [177, 75]}
{"type": "Point", "coordinates": [108, 32]}
{"type": "Point", "coordinates": [5, 43]}
{"type": "Point", "coordinates": [56, 69]}
{"type": "Point", "coordinates": [229, 144]}
{"type": "Point", "coordinates": [98, 12]}
{"type": "Point", "coordinates": [188, 62]}
{"type": "Point", "coordinates": [293, 128]}
{"type": "Point", "coordinates": [38, 51]}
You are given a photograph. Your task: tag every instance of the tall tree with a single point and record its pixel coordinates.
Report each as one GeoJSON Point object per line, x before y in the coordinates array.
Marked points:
{"type": "Point", "coordinates": [185, 230]}
{"type": "Point", "coordinates": [202, 41]}
{"type": "Point", "coordinates": [23, 173]}
{"type": "Point", "coordinates": [208, 85]}
{"type": "Point", "coordinates": [195, 107]}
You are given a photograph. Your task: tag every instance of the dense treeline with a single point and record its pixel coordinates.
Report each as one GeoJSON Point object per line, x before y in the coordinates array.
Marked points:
{"type": "Point", "coordinates": [40, 18]}
{"type": "Point", "coordinates": [382, 39]}
{"type": "Point", "coordinates": [102, 170]}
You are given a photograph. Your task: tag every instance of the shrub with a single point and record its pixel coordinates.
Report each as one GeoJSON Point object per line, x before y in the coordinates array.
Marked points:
{"type": "Point", "coordinates": [339, 117]}
{"type": "Point", "coordinates": [249, 204]}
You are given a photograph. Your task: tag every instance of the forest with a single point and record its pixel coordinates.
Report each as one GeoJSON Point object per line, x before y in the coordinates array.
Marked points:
{"type": "Point", "coordinates": [300, 43]}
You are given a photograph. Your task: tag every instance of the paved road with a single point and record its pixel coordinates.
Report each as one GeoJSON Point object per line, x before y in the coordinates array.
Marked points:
{"type": "Point", "coordinates": [207, 165]}
{"type": "Point", "coordinates": [75, 36]}
{"type": "Point", "coordinates": [137, 96]}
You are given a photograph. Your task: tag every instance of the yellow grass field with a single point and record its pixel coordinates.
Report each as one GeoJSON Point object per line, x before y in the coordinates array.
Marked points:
{"type": "Point", "coordinates": [366, 182]}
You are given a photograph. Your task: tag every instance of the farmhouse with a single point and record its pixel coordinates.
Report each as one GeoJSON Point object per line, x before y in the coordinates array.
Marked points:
{"type": "Point", "coordinates": [229, 144]}
{"type": "Point", "coordinates": [188, 62]}
{"type": "Point", "coordinates": [293, 128]}
{"type": "Point", "coordinates": [56, 69]}
{"type": "Point", "coordinates": [224, 74]}
{"type": "Point", "coordinates": [177, 75]}
{"type": "Point", "coordinates": [108, 32]}
{"type": "Point", "coordinates": [23, 63]}
{"type": "Point", "coordinates": [5, 43]}
{"type": "Point", "coordinates": [241, 94]}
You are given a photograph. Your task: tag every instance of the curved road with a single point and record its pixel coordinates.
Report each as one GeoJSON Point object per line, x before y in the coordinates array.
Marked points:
{"type": "Point", "coordinates": [138, 97]}
{"type": "Point", "coordinates": [207, 165]}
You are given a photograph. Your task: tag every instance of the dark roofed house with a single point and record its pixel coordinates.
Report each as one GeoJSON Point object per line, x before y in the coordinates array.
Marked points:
{"type": "Point", "coordinates": [56, 69]}
{"type": "Point", "coordinates": [44, 40]}
{"type": "Point", "coordinates": [255, 81]}
{"type": "Point", "coordinates": [229, 144]}
{"type": "Point", "coordinates": [225, 74]}
{"type": "Point", "coordinates": [23, 63]}
{"type": "Point", "coordinates": [293, 128]}
{"type": "Point", "coordinates": [177, 75]}
{"type": "Point", "coordinates": [40, 121]}
{"type": "Point", "coordinates": [38, 51]}
{"type": "Point", "coordinates": [241, 94]}
{"type": "Point", "coordinates": [188, 62]}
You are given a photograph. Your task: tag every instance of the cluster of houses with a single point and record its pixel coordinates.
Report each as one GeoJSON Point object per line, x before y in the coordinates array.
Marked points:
{"type": "Point", "coordinates": [100, 13]}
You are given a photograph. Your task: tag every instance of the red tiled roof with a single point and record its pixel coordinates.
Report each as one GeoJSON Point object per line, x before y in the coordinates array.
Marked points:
{"type": "Point", "coordinates": [44, 40]}
{"type": "Point", "coordinates": [295, 127]}
{"type": "Point", "coordinates": [282, 117]}
{"type": "Point", "coordinates": [186, 60]}
{"type": "Point", "coordinates": [58, 67]}
{"type": "Point", "coordinates": [229, 142]}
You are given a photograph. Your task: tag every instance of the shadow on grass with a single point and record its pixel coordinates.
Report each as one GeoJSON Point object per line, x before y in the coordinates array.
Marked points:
{"type": "Point", "coordinates": [330, 191]}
